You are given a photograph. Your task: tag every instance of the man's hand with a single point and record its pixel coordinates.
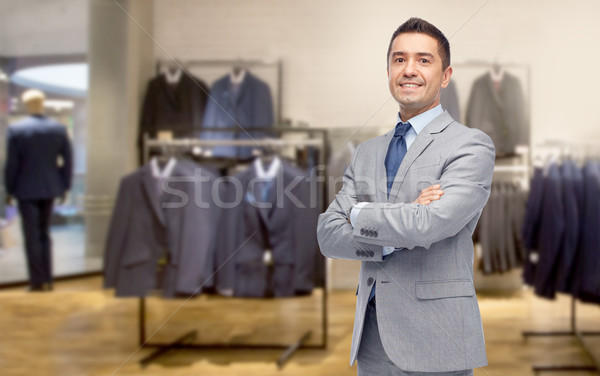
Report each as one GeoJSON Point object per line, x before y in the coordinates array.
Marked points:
{"type": "Point", "coordinates": [429, 194]}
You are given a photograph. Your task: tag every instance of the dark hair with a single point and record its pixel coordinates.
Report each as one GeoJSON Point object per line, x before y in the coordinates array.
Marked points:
{"type": "Point", "coordinates": [417, 25]}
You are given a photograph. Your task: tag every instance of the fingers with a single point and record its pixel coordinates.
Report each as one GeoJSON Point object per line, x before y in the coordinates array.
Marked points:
{"type": "Point", "coordinates": [430, 194]}
{"type": "Point", "coordinates": [431, 188]}
{"type": "Point", "coordinates": [433, 195]}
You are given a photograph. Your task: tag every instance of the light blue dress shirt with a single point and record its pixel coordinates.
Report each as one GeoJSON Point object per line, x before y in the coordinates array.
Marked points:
{"type": "Point", "coordinates": [418, 123]}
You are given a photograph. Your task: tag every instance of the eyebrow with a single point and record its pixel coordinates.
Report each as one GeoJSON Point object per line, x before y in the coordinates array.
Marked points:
{"type": "Point", "coordinates": [401, 53]}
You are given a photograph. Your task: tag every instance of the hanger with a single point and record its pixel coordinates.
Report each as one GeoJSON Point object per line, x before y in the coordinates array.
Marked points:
{"type": "Point", "coordinates": [496, 71]}
{"type": "Point", "coordinates": [269, 152]}
{"type": "Point", "coordinates": [238, 72]}
{"type": "Point", "coordinates": [172, 70]}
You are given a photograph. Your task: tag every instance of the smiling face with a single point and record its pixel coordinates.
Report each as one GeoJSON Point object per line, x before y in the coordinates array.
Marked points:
{"type": "Point", "coordinates": [415, 73]}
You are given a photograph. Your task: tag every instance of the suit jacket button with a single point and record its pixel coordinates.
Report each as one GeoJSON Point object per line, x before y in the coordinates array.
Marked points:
{"type": "Point", "coordinates": [358, 252]}
{"type": "Point", "coordinates": [370, 281]}
{"type": "Point", "coordinates": [370, 233]}
{"type": "Point", "coordinates": [376, 234]}
{"type": "Point", "coordinates": [362, 231]}
{"type": "Point", "coordinates": [371, 253]}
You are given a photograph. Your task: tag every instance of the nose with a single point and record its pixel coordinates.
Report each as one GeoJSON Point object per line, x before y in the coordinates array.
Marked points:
{"type": "Point", "coordinates": [410, 69]}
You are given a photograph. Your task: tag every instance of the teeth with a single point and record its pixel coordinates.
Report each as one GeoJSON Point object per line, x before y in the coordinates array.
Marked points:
{"type": "Point", "coordinates": [410, 85]}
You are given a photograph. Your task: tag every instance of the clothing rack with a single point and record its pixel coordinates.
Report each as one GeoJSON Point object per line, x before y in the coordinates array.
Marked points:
{"type": "Point", "coordinates": [246, 63]}
{"type": "Point", "coordinates": [186, 340]}
{"type": "Point", "coordinates": [573, 331]}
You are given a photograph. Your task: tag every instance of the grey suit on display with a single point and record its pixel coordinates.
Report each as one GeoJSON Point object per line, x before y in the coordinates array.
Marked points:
{"type": "Point", "coordinates": [148, 225]}
{"type": "Point", "coordinates": [427, 311]}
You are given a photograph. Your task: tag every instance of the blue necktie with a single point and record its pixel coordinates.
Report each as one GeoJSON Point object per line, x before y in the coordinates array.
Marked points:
{"type": "Point", "coordinates": [396, 153]}
{"type": "Point", "coordinates": [394, 157]}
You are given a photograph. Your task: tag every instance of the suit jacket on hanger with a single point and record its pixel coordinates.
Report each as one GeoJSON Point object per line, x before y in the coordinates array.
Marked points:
{"type": "Point", "coordinates": [147, 227]}
{"type": "Point", "coordinates": [531, 225]}
{"type": "Point", "coordinates": [572, 226]}
{"type": "Point", "coordinates": [290, 225]}
{"type": "Point", "coordinates": [178, 108]}
{"type": "Point", "coordinates": [552, 228]}
{"type": "Point", "coordinates": [248, 106]}
{"type": "Point", "coordinates": [501, 114]}
{"type": "Point", "coordinates": [449, 100]}
{"type": "Point", "coordinates": [589, 287]}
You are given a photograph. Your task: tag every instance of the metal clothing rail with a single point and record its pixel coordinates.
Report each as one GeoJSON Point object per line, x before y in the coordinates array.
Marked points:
{"type": "Point", "coordinates": [186, 341]}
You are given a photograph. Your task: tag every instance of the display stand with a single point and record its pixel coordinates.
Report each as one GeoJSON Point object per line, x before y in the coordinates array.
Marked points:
{"type": "Point", "coordinates": [186, 341]}
{"type": "Point", "coordinates": [579, 335]}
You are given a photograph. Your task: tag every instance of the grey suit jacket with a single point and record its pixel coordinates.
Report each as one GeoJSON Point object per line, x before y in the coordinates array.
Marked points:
{"type": "Point", "coordinates": [146, 227]}
{"type": "Point", "coordinates": [427, 311]}
{"type": "Point", "coordinates": [500, 114]}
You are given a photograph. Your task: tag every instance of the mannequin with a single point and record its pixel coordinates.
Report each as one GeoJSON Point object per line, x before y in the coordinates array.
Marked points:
{"type": "Point", "coordinates": [35, 178]}
{"type": "Point", "coordinates": [34, 102]}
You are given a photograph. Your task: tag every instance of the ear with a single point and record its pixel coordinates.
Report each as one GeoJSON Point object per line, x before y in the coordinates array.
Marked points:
{"type": "Point", "coordinates": [446, 76]}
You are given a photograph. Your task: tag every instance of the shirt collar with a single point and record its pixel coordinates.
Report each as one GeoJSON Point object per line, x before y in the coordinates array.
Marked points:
{"type": "Point", "coordinates": [421, 120]}
{"type": "Point", "coordinates": [272, 170]}
{"type": "Point", "coordinates": [166, 172]}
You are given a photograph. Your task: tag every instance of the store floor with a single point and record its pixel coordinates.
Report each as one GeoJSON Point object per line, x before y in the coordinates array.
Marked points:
{"type": "Point", "coordinates": [68, 256]}
{"type": "Point", "coordinates": [79, 329]}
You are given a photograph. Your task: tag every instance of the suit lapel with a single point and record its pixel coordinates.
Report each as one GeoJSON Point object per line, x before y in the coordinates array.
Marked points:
{"type": "Point", "coordinates": [150, 187]}
{"type": "Point", "coordinates": [423, 140]}
{"type": "Point", "coordinates": [254, 212]}
{"type": "Point", "coordinates": [380, 173]}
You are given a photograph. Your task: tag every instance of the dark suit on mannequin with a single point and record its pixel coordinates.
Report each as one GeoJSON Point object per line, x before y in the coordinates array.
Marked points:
{"type": "Point", "coordinates": [35, 178]}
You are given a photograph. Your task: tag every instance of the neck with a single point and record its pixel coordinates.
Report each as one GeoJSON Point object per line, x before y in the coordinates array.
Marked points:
{"type": "Point", "coordinates": [407, 113]}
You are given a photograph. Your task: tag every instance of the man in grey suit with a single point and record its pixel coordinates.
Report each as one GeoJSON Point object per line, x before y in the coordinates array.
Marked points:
{"type": "Point", "coordinates": [416, 308]}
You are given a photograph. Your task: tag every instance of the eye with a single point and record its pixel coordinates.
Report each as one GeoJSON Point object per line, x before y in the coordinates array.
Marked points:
{"type": "Point", "coordinates": [424, 61]}
{"type": "Point", "coordinates": [398, 60]}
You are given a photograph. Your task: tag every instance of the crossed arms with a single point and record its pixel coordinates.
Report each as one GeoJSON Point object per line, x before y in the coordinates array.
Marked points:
{"type": "Point", "coordinates": [465, 180]}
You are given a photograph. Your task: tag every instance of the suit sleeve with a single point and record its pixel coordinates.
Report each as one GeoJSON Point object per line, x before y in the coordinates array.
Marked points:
{"type": "Point", "coordinates": [12, 163]}
{"type": "Point", "coordinates": [466, 181]}
{"type": "Point", "coordinates": [117, 235]}
{"type": "Point", "coordinates": [335, 234]}
{"type": "Point", "coordinates": [66, 170]}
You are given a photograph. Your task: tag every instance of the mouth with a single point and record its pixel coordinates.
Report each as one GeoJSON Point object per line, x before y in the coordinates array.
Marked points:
{"type": "Point", "coordinates": [410, 85]}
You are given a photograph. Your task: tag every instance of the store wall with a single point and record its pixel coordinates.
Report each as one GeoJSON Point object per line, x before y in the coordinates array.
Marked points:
{"type": "Point", "coordinates": [334, 51]}
{"type": "Point", "coordinates": [42, 27]}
